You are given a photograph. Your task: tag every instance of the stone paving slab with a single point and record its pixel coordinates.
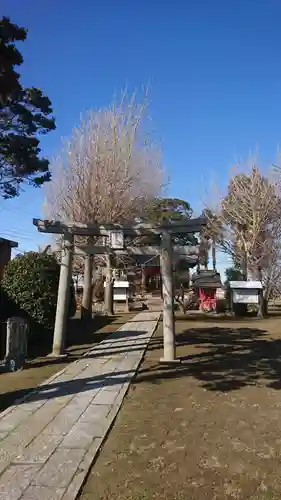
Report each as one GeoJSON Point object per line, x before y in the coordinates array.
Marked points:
{"type": "Point", "coordinates": [49, 439]}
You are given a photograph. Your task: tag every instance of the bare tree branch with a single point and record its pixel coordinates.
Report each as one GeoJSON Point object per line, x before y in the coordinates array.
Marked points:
{"type": "Point", "coordinates": [247, 222]}
{"type": "Point", "coordinates": [110, 170]}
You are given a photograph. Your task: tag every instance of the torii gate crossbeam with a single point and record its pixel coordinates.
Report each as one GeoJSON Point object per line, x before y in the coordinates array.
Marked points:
{"type": "Point", "coordinates": [166, 259]}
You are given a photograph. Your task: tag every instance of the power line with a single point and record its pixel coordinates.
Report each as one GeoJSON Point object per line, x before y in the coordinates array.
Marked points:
{"type": "Point", "coordinates": [17, 211]}
{"type": "Point", "coordinates": [19, 233]}
{"type": "Point", "coordinates": [16, 231]}
{"type": "Point", "coordinates": [16, 236]}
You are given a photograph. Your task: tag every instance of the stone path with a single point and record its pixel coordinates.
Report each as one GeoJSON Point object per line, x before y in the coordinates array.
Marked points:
{"type": "Point", "coordinates": [49, 440]}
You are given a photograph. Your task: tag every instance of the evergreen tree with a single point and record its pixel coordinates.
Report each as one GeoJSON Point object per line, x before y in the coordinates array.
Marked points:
{"type": "Point", "coordinates": [24, 113]}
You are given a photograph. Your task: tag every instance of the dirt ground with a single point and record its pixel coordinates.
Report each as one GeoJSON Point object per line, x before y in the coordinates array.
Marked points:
{"type": "Point", "coordinates": [82, 336]}
{"type": "Point", "coordinates": [207, 428]}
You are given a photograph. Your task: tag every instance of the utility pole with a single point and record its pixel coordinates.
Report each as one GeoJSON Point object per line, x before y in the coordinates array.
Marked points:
{"type": "Point", "coordinates": [166, 258]}
{"type": "Point", "coordinates": [63, 296]}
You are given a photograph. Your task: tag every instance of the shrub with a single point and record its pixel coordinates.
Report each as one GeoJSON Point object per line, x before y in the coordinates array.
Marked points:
{"type": "Point", "coordinates": [30, 287]}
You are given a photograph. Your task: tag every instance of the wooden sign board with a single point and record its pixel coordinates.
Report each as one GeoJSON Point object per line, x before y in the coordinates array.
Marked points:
{"type": "Point", "coordinates": [248, 285]}
{"type": "Point", "coordinates": [245, 296]}
{"type": "Point", "coordinates": [116, 240]}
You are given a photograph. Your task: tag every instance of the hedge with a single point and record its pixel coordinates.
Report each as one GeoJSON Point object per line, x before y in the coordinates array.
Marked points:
{"type": "Point", "coordinates": [30, 287]}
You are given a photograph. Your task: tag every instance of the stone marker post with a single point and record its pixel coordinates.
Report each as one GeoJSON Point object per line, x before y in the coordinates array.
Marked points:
{"type": "Point", "coordinates": [16, 343]}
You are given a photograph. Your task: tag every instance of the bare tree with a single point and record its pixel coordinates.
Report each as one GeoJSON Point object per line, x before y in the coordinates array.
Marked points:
{"type": "Point", "coordinates": [211, 235]}
{"type": "Point", "coordinates": [248, 224]}
{"type": "Point", "coordinates": [109, 171]}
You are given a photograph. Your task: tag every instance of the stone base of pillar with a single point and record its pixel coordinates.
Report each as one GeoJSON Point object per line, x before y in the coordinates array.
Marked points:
{"type": "Point", "coordinates": [57, 355]}
{"type": "Point", "coordinates": [176, 361]}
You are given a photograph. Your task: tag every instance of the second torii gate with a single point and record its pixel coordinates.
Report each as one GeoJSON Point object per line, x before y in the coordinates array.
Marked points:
{"type": "Point", "coordinates": [116, 233]}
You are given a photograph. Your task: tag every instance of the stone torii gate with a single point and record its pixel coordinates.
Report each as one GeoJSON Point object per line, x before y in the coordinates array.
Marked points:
{"type": "Point", "coordinates": [116, 233]}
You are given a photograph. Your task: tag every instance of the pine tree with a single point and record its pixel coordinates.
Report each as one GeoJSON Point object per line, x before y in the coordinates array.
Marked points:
{"type": "Point", "coordinates": [24, 113]}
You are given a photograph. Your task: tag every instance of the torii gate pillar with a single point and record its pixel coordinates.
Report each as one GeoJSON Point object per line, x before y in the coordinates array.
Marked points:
{"type": "Point", "coordinates": [63, 297]}
{"type": "Point", "coordinates": [166, 258]}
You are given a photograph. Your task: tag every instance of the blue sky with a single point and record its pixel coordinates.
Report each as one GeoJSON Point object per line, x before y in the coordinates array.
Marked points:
{"type": "Point", "coordinates": [214, 69]}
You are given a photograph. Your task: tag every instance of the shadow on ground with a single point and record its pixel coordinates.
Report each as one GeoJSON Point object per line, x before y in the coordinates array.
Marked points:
{"type": "Point", "coordinates": [224, 318]}
{"type": "Point", "coordinates": [82, 336]}
{"type": "Point", "coordinates": [75, 385]}
{"type": "Point", "coordinates": [79, 333]}
{"type": "Point", "coordinates": [223, 359]}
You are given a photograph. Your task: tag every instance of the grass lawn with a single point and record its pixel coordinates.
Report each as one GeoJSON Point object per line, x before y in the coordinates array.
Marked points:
{"type": "Point", "coordinates": [209, 428]}
{"type": "Point", "coordinates": [82, 336]}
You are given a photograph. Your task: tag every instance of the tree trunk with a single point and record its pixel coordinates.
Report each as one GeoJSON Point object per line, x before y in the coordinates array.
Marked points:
{"type": "Point", "coordinates": [265, 307]}
{"type": "Point", "coordinates": [244, 268]}
{"type": "Point", "coordinates": [86, 309]}
{"type": "Point", "coordinates": [265, 300]}
{"type": "Point", "coordinates": [262, 308]}
{"type": "Point", "coordinates": [108, 293]}
{"type": "Point", "coordinates": [143, 280]}
{"type": "Point", "coordinates": [214, 257]}
{"type": "Point", "coordinates": [206, 255]}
